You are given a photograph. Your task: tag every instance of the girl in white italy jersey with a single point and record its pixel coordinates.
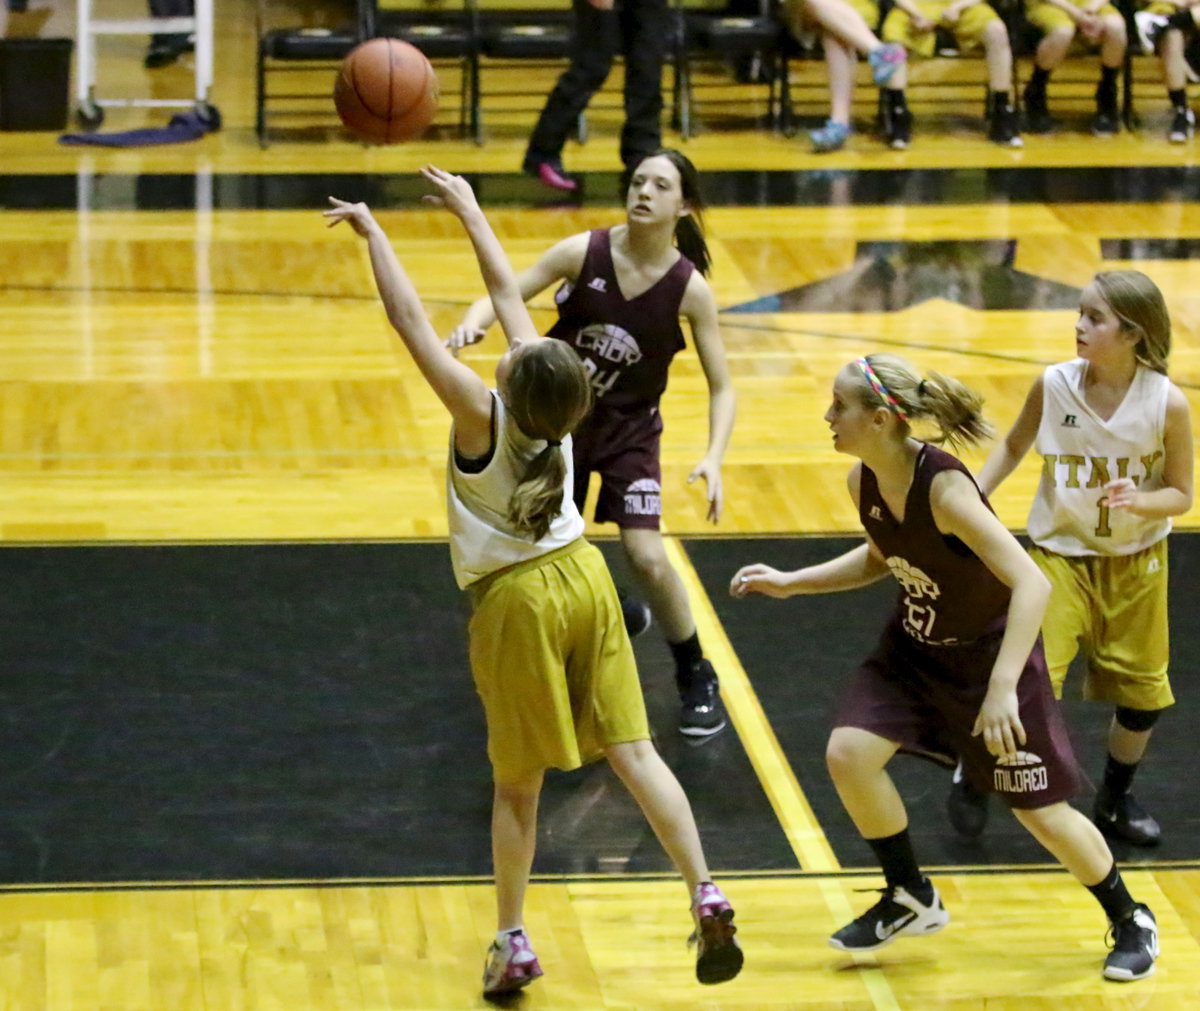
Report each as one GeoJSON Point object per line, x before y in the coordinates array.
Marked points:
{"type": "Point", "coordinates": [1114, 434]}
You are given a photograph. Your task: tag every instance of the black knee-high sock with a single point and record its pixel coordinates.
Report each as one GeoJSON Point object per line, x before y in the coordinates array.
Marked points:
{"type": "Point", "coordinates": [1178, 97]}
{"type": "Point", "coordinates": [899, 862]}
{"type": "Point", "coordinates": [1106, 92]}
{"type": "Point", "coordinates": [686, 654]}
{"type": "Point", "coordinates": [1113, 896]}
{"type": "Point", "coordinates": [1181, 19]}
{"type": "Point", "coordinates": [1118, 776]}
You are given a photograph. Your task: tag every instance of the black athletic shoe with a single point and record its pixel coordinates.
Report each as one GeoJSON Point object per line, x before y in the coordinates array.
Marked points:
{"type": "Point", "coordinates": [637, 615]}
{"type": "Point", "coordinates": [1105, 123]}
{"type": "Point", "coordinates": [897, 913]}
{"type": "Point", "coordinates": [1135, 946]}
{"type": "Point", "coordinates": [166, 49]}
{"type": "Point", "coordinates": [966, 807]}
{"type": "Point", "coordinates": [701, 713]}
{"type": "Point", "coordinates": [1004, 128]}
{"type": "Point", "coordinates": [1183, 124]}
{"type": "Point", "coordinates": [1124, 818]}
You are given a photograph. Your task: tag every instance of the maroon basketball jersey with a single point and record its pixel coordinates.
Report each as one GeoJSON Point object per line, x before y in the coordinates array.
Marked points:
{"type": "Point", "coordinates": [947, 594]}
{"type": "Point", "coordinates": [626, 344]}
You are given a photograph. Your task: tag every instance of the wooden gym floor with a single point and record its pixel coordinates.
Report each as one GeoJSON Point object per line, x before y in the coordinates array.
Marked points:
{"type": "Point", "coordinates": [243, 767]}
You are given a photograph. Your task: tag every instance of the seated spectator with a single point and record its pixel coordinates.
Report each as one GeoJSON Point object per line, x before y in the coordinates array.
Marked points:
{"type": "Point", "coordinates": [1100, 26]}
{"type": "Point", "coordinates": [1165, 27]}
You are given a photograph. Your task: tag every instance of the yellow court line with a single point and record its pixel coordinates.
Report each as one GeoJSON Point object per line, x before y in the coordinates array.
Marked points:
{"type": "Point", "coordinates": [800, 825]}
{"type": "Point", "coordinates": [795, 815]}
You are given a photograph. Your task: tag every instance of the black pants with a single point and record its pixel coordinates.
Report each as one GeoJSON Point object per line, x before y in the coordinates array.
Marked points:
{"type": "Point", "coordinates": [638, 30]}
{"type": "Point", "coordinates": [170, 9]}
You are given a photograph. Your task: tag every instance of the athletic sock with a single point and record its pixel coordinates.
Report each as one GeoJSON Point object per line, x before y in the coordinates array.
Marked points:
{"type": "Point", "coordinates": [1118, 777]}
{"type": "Point", "coordinates": [687, 654]}
{"type": "Point", "coordinates": [899, 863]}
{"type": "Point", "coordinates": [1113, 896]}
{"type": "Point", "coordinates": [1181, 19]}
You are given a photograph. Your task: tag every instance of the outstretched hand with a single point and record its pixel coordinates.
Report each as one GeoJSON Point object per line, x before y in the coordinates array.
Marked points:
{"type": "Point", "coordinates": [453, 192]}
{"type": "Point", "coordinates": [759, 578]}
{"type": "Point", "coordinates": [463, 336]}
{"type": "Point", "coordinates": [357, 215]}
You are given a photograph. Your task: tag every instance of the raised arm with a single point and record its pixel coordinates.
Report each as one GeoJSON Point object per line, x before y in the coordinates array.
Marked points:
{"type": "Point", "coordinates": [700, 309]}
{"type": "Point", "coordinates": [463, 393]}
{"type": "Point", "coordinates": [1011, 450]}
{"type": "Point", "coordinates": [562, 261]}
{"type": "Point", "coordinates": [454, 193]}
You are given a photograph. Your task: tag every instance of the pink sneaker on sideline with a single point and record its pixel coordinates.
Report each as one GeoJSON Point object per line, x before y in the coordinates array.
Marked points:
{"type": "Point", "coordinates": [718, 956]}
{"type": "Point", "coordinates": [552, 174]}
{"type": "Point", "coordinates": [510, 966]}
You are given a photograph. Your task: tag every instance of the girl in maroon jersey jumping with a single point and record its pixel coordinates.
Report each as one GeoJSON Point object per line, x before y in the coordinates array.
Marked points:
{"type": "Point", "coordinates": [959, 669]}
{"type": "Point", "coordinates": [622, 292]}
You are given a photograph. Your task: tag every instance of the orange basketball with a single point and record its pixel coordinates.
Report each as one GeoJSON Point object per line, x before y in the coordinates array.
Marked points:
{"type": "Point", "coordinates": [386, 91]}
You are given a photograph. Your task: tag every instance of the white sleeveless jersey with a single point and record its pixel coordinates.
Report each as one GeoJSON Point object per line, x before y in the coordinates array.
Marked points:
{"type": "Point", "coordinates": [1081, 453]}
{"type": "Point", "coordinates": [482, 540]}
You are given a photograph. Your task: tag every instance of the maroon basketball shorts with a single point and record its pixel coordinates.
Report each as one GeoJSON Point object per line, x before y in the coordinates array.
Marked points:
{"type": "Point", "coordinates": [926, 699]}
{"type": "Point", "coordinates": [622, 447]}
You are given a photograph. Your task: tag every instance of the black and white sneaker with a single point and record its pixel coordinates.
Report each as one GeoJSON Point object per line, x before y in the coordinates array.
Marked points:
{"type": "Point", "coordinates": [1106, 122]}
{"type": "Point", "coordinates": [637, 615]}
{"type": "Point", "coordinates": [1135, 946]}
{"type": "Point", "coordinates": [701, 713]}
{"type": "Point", "coordinates": [1124, 818]}
{"type": "Point", "coordinates": [899, 912]}
{"type": "Point", "coordinates": [966, 807]}
{"type": "Point", "coordinates": [1183, 124]}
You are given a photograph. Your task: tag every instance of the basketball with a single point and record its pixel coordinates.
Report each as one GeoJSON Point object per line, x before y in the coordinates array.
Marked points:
{"type": "Point", "coordinates": [386, 91]}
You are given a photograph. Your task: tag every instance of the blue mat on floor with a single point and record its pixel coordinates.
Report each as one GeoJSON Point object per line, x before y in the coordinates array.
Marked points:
{"type": "Point", "coordinates": [183, 127]}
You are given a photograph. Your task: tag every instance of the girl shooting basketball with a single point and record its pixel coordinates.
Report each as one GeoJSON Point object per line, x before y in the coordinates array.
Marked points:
{"type": "Point", "coordinates": [549, 653]}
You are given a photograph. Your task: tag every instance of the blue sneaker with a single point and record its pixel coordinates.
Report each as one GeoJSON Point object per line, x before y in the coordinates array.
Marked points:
{"type": "Point", "coordinates": [831, 137]}
{"type": "Point", "coordinates": [885, 61]}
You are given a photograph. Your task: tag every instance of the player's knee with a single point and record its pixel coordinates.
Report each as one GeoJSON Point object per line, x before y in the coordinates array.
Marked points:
{"type": "Point", "coordinates": [1137, 720]}
{"type": "Point", "coordinates": [995, 35]}
{"type": "Point", "coordinates": [842, 757]}
{"type": "Point", "coordinates": [651, 564]}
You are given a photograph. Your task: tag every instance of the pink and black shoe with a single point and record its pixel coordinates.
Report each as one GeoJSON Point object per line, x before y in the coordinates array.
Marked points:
{"type": "Point", "coordinates": [549, 172]}
{"type": "Point", "coordinates": [718, 955]}
{"type": "Point", "coordinates": [510, 966]}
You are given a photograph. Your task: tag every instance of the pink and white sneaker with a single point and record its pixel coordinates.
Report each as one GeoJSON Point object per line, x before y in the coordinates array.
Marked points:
{"type": "Point", "coordinates": [718, 955]}
{"type": "Point", "coordinates": [510, 965]}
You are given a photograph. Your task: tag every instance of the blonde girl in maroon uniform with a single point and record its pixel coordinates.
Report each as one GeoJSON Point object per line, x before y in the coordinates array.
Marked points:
{"type": "Point", "coordinates": [959, 670]}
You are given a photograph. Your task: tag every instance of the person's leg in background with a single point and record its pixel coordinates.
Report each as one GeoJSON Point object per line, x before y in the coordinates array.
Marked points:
{"type": "Point", "coordinates": [166, 49]}
{"type": "Point", "coordinates": [596, 41]}
{"type": "Point", "coordinates": [645, 28]}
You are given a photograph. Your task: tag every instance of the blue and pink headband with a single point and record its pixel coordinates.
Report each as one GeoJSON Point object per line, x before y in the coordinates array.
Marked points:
{"type": "Point", "coordinates": [881, 391]}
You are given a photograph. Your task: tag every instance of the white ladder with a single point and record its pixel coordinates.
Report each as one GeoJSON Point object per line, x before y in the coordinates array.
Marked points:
{"type": "Point", "coordinates": [89, 109]}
